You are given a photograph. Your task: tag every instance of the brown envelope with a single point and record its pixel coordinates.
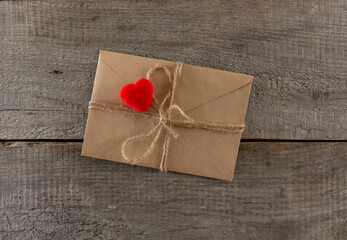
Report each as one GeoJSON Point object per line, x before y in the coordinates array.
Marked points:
{"type": "Point", "coordinates": [204, 94]}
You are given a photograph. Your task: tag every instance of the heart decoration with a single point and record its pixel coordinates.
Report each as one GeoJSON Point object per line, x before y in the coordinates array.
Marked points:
{"type": "Point", "coordinates": [138, 95]}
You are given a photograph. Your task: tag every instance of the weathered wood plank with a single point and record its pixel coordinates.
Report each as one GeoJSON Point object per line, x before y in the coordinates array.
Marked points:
{"type": "Point", "coordinates": [280, 191]}
{"type": "Point", "coordinates": [295, 49]}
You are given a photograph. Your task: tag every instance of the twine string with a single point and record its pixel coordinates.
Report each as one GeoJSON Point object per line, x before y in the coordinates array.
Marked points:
{"type": "Point", "coordinates": [164, 121]}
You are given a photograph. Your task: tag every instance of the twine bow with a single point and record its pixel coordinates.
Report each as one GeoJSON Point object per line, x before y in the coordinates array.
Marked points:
{"type": "Point", "coordinates": [164, 119]}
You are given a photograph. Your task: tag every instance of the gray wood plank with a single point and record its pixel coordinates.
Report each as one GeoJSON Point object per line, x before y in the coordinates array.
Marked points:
{"type": "Point", "coordinates": [295, 49]}
{"type": "Point", "coordinates": [280, 191]}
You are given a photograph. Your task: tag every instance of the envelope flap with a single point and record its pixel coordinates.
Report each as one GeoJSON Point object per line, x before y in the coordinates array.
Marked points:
{"type": "Point", "coordinates": [195, 87]}
{"type": "Point", "coordinates": [198, 86]}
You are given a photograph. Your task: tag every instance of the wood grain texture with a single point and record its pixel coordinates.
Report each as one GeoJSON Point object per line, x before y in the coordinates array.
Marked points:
{"type": "Point", "coordinates": [297, 51]}
{"type": "Point", "coordinates": [280, 191]}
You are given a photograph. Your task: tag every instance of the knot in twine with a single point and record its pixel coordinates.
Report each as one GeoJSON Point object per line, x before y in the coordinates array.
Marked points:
{"type": "Point", "coordinates": [164, 119]}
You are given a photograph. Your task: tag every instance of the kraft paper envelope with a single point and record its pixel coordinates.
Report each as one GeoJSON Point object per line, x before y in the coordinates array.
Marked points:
{"type": "Point", "coordinates": [204, 94]}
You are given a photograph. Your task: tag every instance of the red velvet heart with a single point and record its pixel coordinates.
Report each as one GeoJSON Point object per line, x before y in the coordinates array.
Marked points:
{"type": "Point", "coordinates": [138, 95]}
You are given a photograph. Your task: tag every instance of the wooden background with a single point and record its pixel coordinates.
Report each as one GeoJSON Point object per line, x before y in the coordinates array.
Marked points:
{"type": "Point", "coordinates": [291, 176]}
